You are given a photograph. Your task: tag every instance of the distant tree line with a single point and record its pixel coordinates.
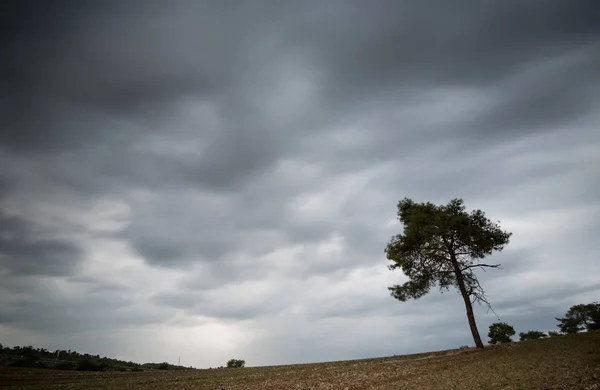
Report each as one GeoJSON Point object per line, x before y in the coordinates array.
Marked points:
{"type": "Point", "coordinates": [28, 356]}
{"type": "Point", "coordinates": [578, 318]}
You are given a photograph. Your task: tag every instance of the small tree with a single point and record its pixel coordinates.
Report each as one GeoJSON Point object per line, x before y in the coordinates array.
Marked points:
{"type": "Point", "coordinates": [236, 363]}
{"type": "Point", "coordinates": [532, 335]}
{"type": "Point", "coordinates": [163, 366]}
{"type": "Point", "coordinates": [553, 333]}
{"type": "Point", "coordinates": [443, 245]}
{"type": "Point", "coordinates": [580, 317]}
{"type": "Point", "coordinates": [501, 333]}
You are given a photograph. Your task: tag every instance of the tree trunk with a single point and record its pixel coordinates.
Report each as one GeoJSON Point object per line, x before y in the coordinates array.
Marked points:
{"type": "Point", "coordinates": [468, 305]}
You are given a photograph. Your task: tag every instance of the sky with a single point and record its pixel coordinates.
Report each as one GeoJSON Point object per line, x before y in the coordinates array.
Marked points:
{"type": "Point", "coordinates": [214, 180]}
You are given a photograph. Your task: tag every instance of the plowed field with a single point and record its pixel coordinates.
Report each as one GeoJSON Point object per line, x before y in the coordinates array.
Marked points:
{"type": "Point", "coordinates": [564, 362]}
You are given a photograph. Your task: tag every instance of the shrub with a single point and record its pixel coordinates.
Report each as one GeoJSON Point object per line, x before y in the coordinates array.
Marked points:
{"type": "Point", "coordinates": [64, 366]}
{"type": "Point", "coordinates": [501, 333]}
{"type": "Point", "coordinates": [532, 335]}
{"type": "Point", "coordinates": [90, 365]}
{"type": "Point", "coordinates": [39, 364]}
{"type": "Point", "coordinates": [236, 363]}
{"type": "Point", "coordinates": [553, 334]}
{"type": "Point", "coordinates": [163, 366]}
{"type": "Point", "coordinates": [17, 363]}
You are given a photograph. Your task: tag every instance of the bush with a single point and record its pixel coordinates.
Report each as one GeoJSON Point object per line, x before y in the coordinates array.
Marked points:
{"type": "Point", "coordinates": [137, 369]}
{"type": "Point", "coordinates": [236, 363]}
{"type": "Point", "coordinates": [17, 363]}
{"type": "Point", "coordinates": [501, 333]}
{"type": "Point", "coordinates": [39, 364]}
{"type": "Point", "coordinates": [553, 334]}
{"type": "Point", "coordinates": [163, 366]}
{"type": "Point", "coordinates": [532, 335]}
{"type": "Point", "coordinates": [90, 365]}
{"type": "Point", "coordinates": [64, 366]}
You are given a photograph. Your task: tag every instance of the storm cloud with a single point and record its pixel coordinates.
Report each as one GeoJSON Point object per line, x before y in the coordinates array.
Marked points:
{"type": "Point", "coordinates": [222, 176]}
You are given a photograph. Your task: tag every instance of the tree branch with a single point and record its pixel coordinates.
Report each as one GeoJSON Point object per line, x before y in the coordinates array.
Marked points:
{"type": "Point", "coordinates": [480, 265]}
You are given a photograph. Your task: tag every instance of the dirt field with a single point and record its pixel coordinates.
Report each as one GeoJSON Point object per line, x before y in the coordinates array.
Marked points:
{"type": "Point", "coordinates": [566, 362]}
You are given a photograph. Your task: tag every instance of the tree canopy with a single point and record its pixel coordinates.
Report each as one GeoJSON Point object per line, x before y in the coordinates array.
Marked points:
{"type": "Point", "coordinates": [580, 317]}
{"type": "Point", "coordinates": [532, 335]}
{"type": "Point", "coordinates": [443, 245]}
{"type": "Point", "coordinates": [236, 363]}
{"type": "Point", "coordinates": [500, 333]}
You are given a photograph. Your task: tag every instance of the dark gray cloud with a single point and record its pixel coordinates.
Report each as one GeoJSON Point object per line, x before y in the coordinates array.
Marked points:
{"type": "Point", "coordinates": [24, 250]}
{"type": "Point", "coordinates": [57, 309]}
{"type": "Point", "coordinates": [94, 285]}
{"type": "Point", "coordinates": [230, 169]}
{"type": "Point", "coordinates": [546, 95]}
{"type": "Point", "coordinates": [230, 308]}
{"type": "Point", "coordinates": [561, 292]}
{"type": "Point", "coordinates": [471, 43]}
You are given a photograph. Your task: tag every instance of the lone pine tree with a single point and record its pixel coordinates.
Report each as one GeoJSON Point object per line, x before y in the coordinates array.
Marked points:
{"type": "Point", "coordinates": [443, 245]}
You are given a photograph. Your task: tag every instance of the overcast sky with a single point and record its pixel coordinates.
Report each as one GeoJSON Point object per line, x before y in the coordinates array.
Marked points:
{"type": "Point", "coordinates": [219, 179]}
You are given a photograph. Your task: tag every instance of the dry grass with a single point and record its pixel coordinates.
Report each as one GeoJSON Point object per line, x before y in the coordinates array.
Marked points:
{"type": "Point", "coordinates": [566, 362]}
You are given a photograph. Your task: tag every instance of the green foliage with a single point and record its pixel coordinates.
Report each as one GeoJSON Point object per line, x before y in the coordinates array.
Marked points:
{"type": "Point", "coordinates": [27, 356]}
{"type": "Point", "coordinates": [236, 363]}
{"type": "Point", "coordinates": [162, 366]}
{"type": "Point", "coordinates": [532, 335]}
{"type": "Point", "coordinates": [17, 363]}
{"type": "Point", "coordinates": [501, 333]}
{"type": "Point", "coordinates": [64, 366]}
{"type": "Point", "coordinates": [443, 245]}
{"type": "Point", "coordinates": [580, 317]}
{"type": "Point", "coordinates": [553, 334]}
{"type": "Point", "coordinates": [569, 325]}
{"type": "Point", "coordinates": [39, 364]}
{"type": "Point", "coordinates": [91, 365]}
{"type": "Point", "coordinates": [438, 242]}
